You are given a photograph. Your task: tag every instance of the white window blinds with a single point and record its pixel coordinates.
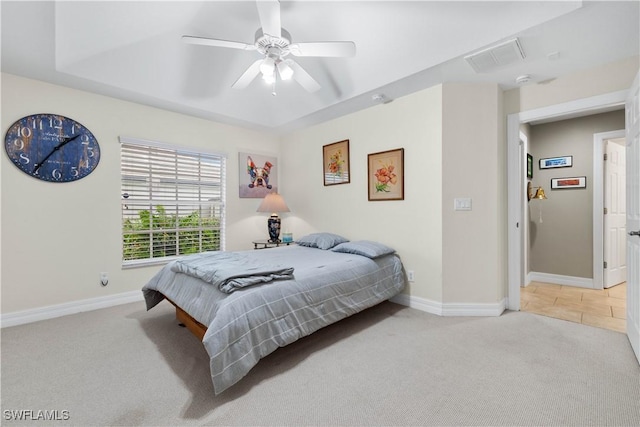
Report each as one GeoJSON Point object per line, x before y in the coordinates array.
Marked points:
{"type": "Point", "coordinates": [172, 201]}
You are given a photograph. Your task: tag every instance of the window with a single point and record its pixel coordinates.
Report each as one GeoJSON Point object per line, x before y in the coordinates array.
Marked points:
{"type": "Point", "coordinates": [172, 201]}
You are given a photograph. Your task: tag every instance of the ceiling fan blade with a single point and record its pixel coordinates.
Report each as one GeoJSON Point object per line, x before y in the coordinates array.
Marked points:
{"type": "Point", "coordinates": [217, 43]}
{"type": "Point", "coordinates": [269, 11]}
{"type": "Point", "coordinates": [248, 76]}
{"type": "Point", "coordinates": [336, 49]}
{"type": "Point", "coordinates": [302, 77]}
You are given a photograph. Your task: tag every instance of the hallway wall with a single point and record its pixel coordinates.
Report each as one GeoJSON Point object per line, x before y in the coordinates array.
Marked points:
{"type": "Point", "coordinates": [563, 243]}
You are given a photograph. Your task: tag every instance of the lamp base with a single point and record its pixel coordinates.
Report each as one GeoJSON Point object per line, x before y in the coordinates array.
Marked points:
{"type": "Point", "coordinates": [273, 224]}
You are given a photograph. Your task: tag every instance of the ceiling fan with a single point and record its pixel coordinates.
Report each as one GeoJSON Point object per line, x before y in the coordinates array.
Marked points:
{"type": "Point", "coordinates": [274, 45]}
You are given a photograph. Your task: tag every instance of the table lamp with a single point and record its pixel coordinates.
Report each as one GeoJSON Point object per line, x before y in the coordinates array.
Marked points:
{"type": "Point", "coordinates": [273, 203]}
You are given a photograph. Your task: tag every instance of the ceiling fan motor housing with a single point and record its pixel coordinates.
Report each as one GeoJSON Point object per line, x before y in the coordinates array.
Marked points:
{"type": "Point", "coordinates": [273, 46]}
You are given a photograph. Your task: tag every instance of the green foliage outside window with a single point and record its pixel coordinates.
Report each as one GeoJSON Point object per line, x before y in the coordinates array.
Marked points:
{"type": "Point", "coordinates": [169, 234]}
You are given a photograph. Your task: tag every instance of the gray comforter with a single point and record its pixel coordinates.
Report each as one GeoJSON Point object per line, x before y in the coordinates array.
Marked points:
{"type": "Point", "coordinates": [254, 321]}
{"type": "Point", "coordinates": [230, 271]}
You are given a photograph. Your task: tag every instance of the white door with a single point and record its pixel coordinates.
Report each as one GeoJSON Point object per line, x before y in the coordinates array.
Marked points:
{"type": "Point", "coordinates": [632, 108]}
{"type": "Point", "coordinates": [615, 218]}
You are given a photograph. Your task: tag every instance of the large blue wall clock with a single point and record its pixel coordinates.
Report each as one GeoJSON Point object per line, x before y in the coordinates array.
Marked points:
{"type": "Point", "coordinates": [52, 148]}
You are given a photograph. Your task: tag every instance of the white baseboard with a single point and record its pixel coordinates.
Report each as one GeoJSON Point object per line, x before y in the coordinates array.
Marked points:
{"type": "Point", "coordinates": [558, 279]}
{"type": "Point", "coordinates": [421, 304]}
{"type": "Point", "coordinates": [59, 310]}
{"type": "Point", "coordinates": [451, 309]}
{"type": "Point", "coordinates": [52, 311]}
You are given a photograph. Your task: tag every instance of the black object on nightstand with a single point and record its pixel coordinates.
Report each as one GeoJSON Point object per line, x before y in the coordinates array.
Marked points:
{"type": "Point", "coordinates": [265, 244]}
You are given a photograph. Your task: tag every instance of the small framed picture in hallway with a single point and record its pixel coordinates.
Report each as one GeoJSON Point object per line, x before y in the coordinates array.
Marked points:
{"type": "Point", "coordinates": [556, 162]}
{"type": "Point", "coordinates": [566, 183]}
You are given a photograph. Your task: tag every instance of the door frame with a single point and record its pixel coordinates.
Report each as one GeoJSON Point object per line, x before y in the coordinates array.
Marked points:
{"type": "Point", "coordinates": [524, 145]}
{"type": "Point", "coordinates": [515, 178]}
{"type": "Point", "coordinates": [598, 203]}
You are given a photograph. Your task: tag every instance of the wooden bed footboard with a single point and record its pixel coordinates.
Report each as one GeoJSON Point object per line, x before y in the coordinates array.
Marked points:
{"type": "Point", "coordinates": [196, 328]}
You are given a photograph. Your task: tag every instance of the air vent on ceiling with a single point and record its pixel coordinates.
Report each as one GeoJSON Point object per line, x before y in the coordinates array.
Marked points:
{"type": "Point", "coordinates": [496, 56]}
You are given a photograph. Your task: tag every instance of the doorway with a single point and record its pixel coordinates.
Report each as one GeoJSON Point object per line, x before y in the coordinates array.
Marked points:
{"type": "Point", "coordinates": [608, 242]}
{"type": "Point", "coordinates": [631, 99]}
{"type": "Point", "coordinates": [562, 249]}
{"type": "Point", "coordinates": [559, 282]}
{"type": "Point", "coordinates": [615, 254]}
{"type": "Point", "coordinates": [515, 164]}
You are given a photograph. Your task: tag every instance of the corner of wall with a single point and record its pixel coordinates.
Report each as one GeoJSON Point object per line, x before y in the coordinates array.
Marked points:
{"type": "Point", "coordinates": [473, 167]}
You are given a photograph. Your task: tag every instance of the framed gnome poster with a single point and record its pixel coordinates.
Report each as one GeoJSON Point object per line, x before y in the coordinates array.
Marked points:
{"type": "Point", "coordinates": [257, 175]}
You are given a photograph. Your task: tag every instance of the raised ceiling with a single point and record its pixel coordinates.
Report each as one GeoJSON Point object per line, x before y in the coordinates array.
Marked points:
{"type": "Point", "coordinates": [133, 50]}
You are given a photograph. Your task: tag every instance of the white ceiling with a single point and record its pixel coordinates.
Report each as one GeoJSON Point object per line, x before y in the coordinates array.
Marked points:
{"type": "Point", "coordinates": [133, 50]}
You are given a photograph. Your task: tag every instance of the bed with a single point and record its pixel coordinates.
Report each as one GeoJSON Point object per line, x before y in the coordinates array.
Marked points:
{"type": "Point", "coordinates": [304, 288]}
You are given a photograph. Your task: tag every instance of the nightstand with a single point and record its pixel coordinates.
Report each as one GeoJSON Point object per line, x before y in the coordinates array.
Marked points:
{"type": "Point", "coordinates": [266, 244]}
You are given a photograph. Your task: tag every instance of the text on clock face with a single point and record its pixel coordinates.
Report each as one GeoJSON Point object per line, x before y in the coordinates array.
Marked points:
{"type": "Point", "coordinates": [19, 147]}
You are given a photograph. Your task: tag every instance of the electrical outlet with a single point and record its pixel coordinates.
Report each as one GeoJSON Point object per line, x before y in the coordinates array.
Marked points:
{"type": "Point", "coordinates": [104, 279]}
{"type": "Point", "coordinates": [410, 276]}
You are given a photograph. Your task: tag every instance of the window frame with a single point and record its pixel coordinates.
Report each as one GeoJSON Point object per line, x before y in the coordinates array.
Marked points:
{"type": "Point", "coordinates": [179, 151]}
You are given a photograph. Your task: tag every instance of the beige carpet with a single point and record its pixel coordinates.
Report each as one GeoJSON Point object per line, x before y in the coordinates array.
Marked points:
{"type": "Point", "coordinates": [389, 365]}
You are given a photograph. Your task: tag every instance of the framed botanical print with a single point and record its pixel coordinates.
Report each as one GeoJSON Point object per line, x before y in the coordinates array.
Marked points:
{"type": "Point", "coordinates": [385, 172]}
{"type": "Point", "coordinates": [335, 160]}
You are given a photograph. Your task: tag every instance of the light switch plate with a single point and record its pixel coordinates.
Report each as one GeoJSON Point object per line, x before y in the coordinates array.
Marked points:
{"type": "Point", "coordinates": [462, 204]}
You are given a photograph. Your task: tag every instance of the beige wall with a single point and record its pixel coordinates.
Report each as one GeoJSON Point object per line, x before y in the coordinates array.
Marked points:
{"type": "Point", "coordinates": [473, 161]}
{"type": "Point", "coordinates": [413, 225]}
{"type": "Point", "coordinates": [608, 78]}
{"type": "Point", "coordinates": [57, 238]}
{"type": "Point", "coordinates": [453, 136]}
{"type": "Point", "coordinates": [563, 243]}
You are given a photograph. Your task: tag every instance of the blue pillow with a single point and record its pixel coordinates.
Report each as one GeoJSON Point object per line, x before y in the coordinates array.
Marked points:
{"type": "Point", "coordinates": [365, 248]}
{"type": "Point", "coordinates": [321, 240]}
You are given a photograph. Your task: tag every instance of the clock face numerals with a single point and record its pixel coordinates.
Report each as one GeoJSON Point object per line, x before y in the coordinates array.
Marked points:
{"type": "Point", "coordinates": [52, 148]}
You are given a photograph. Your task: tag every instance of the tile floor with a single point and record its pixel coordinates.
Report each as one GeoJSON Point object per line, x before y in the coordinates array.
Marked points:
{"type": "Point", "coordinates": [602, 308]}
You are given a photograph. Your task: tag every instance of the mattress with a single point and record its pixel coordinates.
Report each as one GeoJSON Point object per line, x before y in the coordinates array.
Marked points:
{"type": "Point", "coordinates": [250, 323]}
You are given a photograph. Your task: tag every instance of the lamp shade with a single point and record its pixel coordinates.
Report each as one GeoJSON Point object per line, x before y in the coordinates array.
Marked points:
{"type": "Point", "coordinates": [273, 203]}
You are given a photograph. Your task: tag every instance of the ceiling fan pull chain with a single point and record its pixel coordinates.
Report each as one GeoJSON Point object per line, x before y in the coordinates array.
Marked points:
{"type": "Point", "coordinates": [273, 88]}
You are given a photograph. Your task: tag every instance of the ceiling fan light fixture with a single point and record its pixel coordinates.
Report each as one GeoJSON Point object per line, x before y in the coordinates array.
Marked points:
{"type": "Point", "coordinates": [268, 70]}
{"type": "Point", "coordinates": [267, 67]}
{"type": "Point", "coordinates": [286, 72]}
{"type": "Point", "coordinates": [270, 78]}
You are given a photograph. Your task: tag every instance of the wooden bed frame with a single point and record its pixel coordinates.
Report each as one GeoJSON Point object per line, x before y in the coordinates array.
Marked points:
{"type": "Point", "coordinates": [196, 328]}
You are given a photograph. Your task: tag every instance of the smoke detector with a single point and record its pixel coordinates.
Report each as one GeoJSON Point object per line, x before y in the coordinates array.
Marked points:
{"type": "Point", "coordinates": [525, 78]}
{"type": "Point", "coordinates": [381, 98]}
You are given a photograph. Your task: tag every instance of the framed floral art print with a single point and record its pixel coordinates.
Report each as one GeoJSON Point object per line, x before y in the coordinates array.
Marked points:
{"type": "Point", "coordinates": [335, 158]}
{"type": "Point", "coordinates": [386, 175]}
